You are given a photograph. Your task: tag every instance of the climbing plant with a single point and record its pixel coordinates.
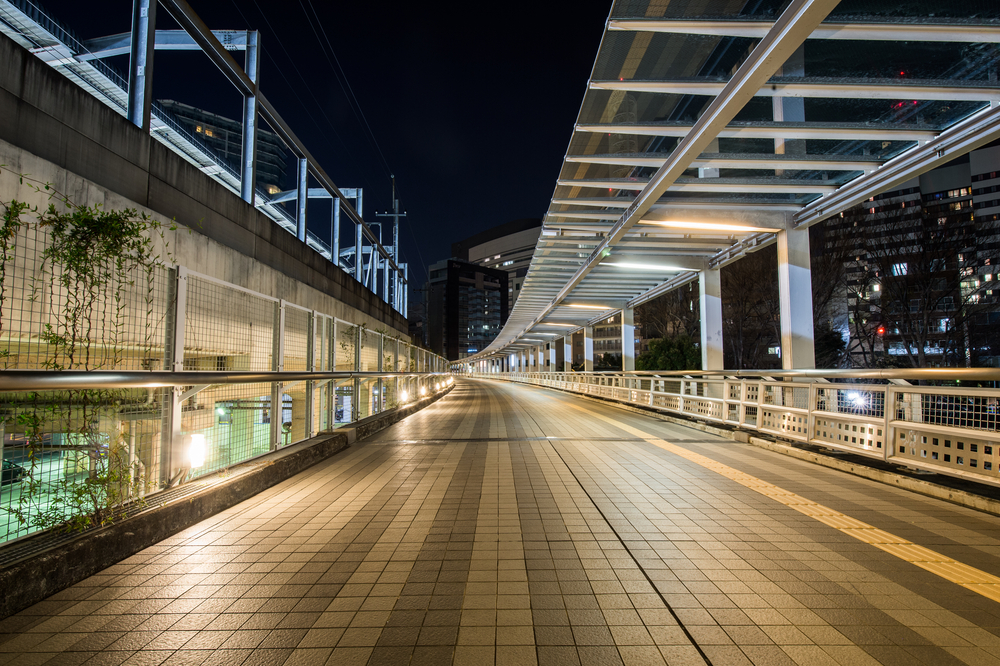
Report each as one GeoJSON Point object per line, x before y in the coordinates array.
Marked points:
{"type": "Point", "coordinates": [89, 276]}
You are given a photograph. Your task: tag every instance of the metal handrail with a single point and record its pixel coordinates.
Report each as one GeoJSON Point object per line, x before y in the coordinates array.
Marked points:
{"type": "Point", "coordinates": [47, 380]}
{"type": "Point", "coordinates": [938, 374]}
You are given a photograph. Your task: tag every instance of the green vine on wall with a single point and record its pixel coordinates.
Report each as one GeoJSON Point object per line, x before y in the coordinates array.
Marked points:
{"type": "Point", "coordinates": [92, 266]}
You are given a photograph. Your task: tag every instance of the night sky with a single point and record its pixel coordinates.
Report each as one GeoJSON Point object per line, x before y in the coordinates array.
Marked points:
{"type": "Point", "coordinates": [471, 105]}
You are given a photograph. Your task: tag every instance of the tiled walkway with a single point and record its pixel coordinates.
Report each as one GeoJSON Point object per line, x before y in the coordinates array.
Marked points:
{"type": "Point", "coordinates": [512, 525]}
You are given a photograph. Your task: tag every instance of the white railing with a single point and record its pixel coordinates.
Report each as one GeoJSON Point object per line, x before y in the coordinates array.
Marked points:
{"type": "Point", "coordinates": [943, 429]}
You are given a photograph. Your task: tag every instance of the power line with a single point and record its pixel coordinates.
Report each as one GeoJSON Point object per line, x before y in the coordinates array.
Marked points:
{"type": "Point", "coordinates": [345, 84]}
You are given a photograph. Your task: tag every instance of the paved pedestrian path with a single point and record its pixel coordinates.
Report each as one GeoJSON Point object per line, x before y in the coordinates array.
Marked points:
{"type": "Point", "coordinates": [513, 525]}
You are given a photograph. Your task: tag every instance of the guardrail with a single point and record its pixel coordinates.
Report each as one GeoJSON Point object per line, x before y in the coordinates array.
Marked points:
{"type": "Point", "coordinates": [943, 429]}
{"type": "Point", "coordinates": [78, 441]}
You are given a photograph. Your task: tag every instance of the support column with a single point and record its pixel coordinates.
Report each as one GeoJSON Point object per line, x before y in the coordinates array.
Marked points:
{"type": "Point", "coordinates": [301, 199]}
{"type": "Point", "coordinates": [359, 262]}
{"type": "Point", "coordinates": [567, 343]}
{"type": "Point", "coordinates": [552, 357]}
{"type": "Point", "coordinates": [335, 240]}
{"type": "Point", "coordinates": [385, 280]}
{"type": "Point", "coordinates": [628, 340]}
{"type": "Point", "coordinates": [710, 304]}
{"type": "Point", "coordinates": [541, 358]}
{"type": "Point", "coordinates": [795, 299]}
{"type": "Point", "coordinates": [248, 175]}
{"type": "Point", "coordinates": [140, 73]}
{"type": "Point", "coordinates": [588, 348]}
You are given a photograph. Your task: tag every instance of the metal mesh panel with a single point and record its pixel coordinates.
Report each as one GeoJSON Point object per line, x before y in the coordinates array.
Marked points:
{"type": "Point", "coordinates": [296, 339]}
{"type": "Point", "coordinates": [369, 351]}
{"type": "Point", "coordinates": [54, 441]}
{"type": "Point", "coordinates": [227, 328]}
{"type": "Point", "coordinates": [46, 324]}
{"type": "Point", "coordinates": [346, 344]}
{"type": "Point", "coordinates": [229, 423]}
{"type": "Point", "coordinates": [975, 412]}
{"type": "Point", "coordinates": [323, 343]}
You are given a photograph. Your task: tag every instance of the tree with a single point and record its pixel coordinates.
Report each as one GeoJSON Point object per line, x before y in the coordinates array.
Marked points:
{"type": "Point", "coordinates": [677, 353]}
{"type": "Point", "coordinates": [750, 309]}
{"type": "Point", "coordinates": [913, 279]}
{"type": "Point", "coordinates": [672, 314]}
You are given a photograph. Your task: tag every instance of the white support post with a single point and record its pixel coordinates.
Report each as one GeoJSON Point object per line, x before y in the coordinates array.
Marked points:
{"type": "Point", "coordinates": [277, 364]}
{"type": "Point", "coordinates": [385, 280]}
{"type": "Point", "coordinates": [311, 354]}
{"type": "Point", "coordinates": [170, 439]}
{"type": "Point", "coordinates": [795, 300]}
{"type": "Point", "coordinates": [628, 340]}
{"type": "Point", "coordinates": [552, 356]}
{"type": "Point", "coordinates": [248, 175]}
{"type": "Point", "coordinates": [567, 353]}
{"type": "Point", "coordinates": [301, 199]}
{"type": "Point", "coordinates": [140, 75]}
{"type": "Point", "coordinates": [359, 263]}
{"type": "Point", "coordinates": [710, 304]}
{"type": "Point", "coordinates": [540, 357]}
{"type": "Point", "coordinates": [335, 232]}
{"type": "Point", "coordinates": [588, 348]}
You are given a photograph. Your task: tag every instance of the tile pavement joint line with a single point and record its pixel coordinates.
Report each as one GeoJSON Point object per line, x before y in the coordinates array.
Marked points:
{"type": "Point", "coordinates": [969, 577]}
{"type": "Point", "coordinates": [628, 550]}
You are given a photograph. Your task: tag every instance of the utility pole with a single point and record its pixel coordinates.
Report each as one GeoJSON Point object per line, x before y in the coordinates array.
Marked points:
{"type": "Point", "coordinates": [395, 215]}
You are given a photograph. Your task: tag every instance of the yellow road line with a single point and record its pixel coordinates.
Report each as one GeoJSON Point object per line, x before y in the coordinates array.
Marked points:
{"type": "Point", "coordinates": [951, 570]}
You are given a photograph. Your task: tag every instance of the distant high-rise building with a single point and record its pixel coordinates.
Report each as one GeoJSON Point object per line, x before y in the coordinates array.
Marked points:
{"type": "Point", "coordinates": [921, 261]}
{"type": "Point", "coordinates": [225, 136]}
{"type": "Point", "coordinates": [467, 306]}
{"type": "Point", "coordinates": [508, 247]}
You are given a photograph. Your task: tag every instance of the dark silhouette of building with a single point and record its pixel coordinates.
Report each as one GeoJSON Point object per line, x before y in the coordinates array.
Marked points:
{"type": "Point", "coordinates": [467, 305]}
{"type": "Point", "coordinates": [225, 137]}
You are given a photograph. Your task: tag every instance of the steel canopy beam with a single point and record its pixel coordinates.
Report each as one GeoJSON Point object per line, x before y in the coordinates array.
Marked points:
{"type": "Point", "coordinates": [789, 31]}
{"type": "Point", "coordinates": [890, 89]}
{"type": "Point", "coordinates": [166, 40]}
{"type": "Point", "coordinates": [773, 130]}
{"type": "Point", "coordinates": [897, 32]}
{"type": "Point", "coordinates": [732, 185]}
{"type": "Point", "coordinates": [737, 161]}
{"type": "Point", "coordinates": [959, 139]}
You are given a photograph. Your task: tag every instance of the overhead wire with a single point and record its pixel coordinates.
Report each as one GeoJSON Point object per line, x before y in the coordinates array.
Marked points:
{"type": "Point", "coordinates": [340, 75]}
{"type": "Point", "coordinates": [345, 84]}
{"type": "Point", "coordinates": [321, 126]}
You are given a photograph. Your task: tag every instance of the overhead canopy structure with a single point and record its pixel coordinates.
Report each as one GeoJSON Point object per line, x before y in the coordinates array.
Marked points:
{"type": "Point", "coordinates": [713, 128]}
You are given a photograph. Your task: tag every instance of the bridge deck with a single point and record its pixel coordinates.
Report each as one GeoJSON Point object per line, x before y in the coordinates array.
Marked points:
{"type": "Point", "coordinates": [509, 524]}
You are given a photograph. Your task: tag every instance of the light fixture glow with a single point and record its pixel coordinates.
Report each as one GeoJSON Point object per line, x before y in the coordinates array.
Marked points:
{"type": "Point", "coordinates": [423, 390]}
{"type": "Point", "coordinates": [707, 226]}
{"type": "Point", "coordinates": [587, 307]}
{"type": "Point", "coordinates": [549, 323]}
{"type": "Point", "coordinates": [404, 396]}
{"type": "Point", "coordinates": [196, 451]}
{"type": "Point", "coordinates": [644, 267]}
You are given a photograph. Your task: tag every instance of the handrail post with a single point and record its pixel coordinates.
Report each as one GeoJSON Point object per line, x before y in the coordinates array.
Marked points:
{"type": "Point", "coordinates": [277, 364]}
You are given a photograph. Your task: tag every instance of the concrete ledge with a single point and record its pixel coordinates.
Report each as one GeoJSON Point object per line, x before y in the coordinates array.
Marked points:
{"type": "Point", "coordinates": [957, 496]}
{"type": "Point", "coordinates": [29, 580]}
{"type": "Point", "coordinates": [953, 495]}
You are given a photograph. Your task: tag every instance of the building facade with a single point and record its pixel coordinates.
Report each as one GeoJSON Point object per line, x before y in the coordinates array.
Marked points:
{"type": "Point", "coordinates": [508, 247]}
{"type": "Point", "coordinates": [467, 306]}
{"type": "Point", "coordinates": [920, 264]}
{"type": "Point", "coordinates": [225, 136]}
